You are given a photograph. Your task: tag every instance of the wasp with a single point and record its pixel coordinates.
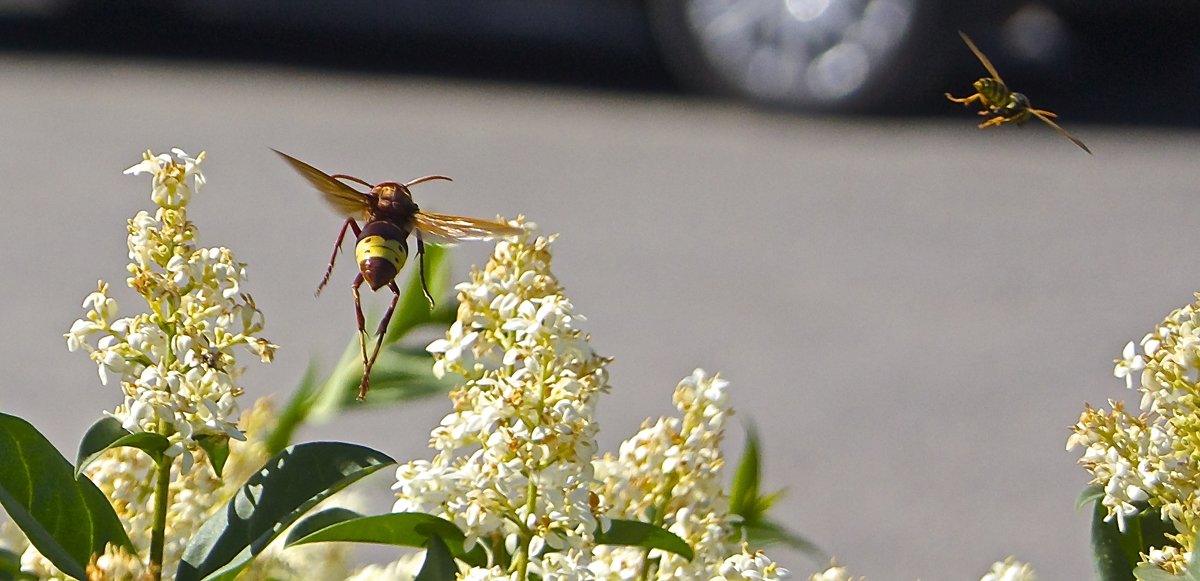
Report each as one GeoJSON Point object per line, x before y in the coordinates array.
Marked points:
{"type": "Point", "coordinates": [1006, 105]}
{"type": "Point", "coordinates": [389, 216]}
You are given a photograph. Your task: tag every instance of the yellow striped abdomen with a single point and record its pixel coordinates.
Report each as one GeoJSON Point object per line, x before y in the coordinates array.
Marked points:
{"type": "Point", "coordinates": [1001, 100]}
{"type": "Point", "coordinates": [381, 252]}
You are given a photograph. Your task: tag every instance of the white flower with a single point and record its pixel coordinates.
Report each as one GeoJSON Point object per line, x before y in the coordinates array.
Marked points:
{"type": "Point", "coordinates": [451, 348]}
{"type": "Point", "coordinates": [833, 573]}
{"type": "Point", "coordinates": [486, 574]}
{"type": "Point", "coordinates": [750, 566]}
{"type": "Point", "coordinates": [1010, 570]}
{"type": "Point", "coordinates": [1130, 366]}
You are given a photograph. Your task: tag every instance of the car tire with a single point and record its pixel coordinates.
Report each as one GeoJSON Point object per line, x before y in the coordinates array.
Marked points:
{"type": "Point", "coordinates": [815, 55]}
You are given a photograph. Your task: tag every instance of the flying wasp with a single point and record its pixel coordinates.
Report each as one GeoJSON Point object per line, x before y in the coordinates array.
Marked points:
{"type": "Point", "coordinates": [1006, 105]}
{"type": "Point", "coordinates": [389, 215]}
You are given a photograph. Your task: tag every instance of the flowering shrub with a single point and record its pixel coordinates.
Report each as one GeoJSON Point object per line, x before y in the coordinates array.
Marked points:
{"type": "Point", "coordinates": [1146, 467]}
{"type": "Point", "coordinates": [178, 483]}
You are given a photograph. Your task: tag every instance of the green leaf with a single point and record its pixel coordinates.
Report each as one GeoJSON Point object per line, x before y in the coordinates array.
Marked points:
{"type": "Point", "coordinates": [413, 309]}
{"type": "Point", "coordinates": [400, 374]}
{"type": "Point", "coordinates": [634, 533]}
{"type": "Point", "coordinates": [765, 533]}
{"type": "Point", "coordinates": [747, 501]}
{"type": "Point", "coordinates": [107, 434]}
{"type": "Point", "coordinates": [439, 564]}
{"type": "Point", "coordinates": [315, 522]}
{"type": "Point", "coordinates": [286, 487]}
{"type": "Point", "coordinates": [298, 407]}
{"type": "Point", "coordinates": [405, 529]}
{"type": "Point", "coordinates": [1108, 553]}
{"type": "Point", "coordinates": [66, 517]}
{"type": "Point", "coordinates": [1088, 495]}
{"type": "Point", "coordinates": [217, 450]}
{"type": "Point", "coordinates": [1114, 554]}
{"type": "Point", "coordinates": [743, 492]}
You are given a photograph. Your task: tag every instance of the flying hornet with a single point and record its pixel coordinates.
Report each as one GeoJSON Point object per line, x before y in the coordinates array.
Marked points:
{"type": "Point", "coordinates": [1006, 105]}
{"type": "Point", "coordinates": [389, 215]}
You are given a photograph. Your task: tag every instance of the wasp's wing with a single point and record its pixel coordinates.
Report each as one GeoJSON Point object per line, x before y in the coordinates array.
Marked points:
{"type": "Point", "coordinates": [447, 229]}
{"type": "Point", "coordinates": [987, 64]}
{"type": "Point", "coordinates": [1064, 132]}
{"type": "Point", "coordinates": [345, 199]}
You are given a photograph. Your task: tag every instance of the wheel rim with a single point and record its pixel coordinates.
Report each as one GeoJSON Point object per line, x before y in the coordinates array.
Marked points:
{"type": "Point", "coordinates": [799, 51]}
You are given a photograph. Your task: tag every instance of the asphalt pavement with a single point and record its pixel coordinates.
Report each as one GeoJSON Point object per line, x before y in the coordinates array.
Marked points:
{"type": "Point", "coordinates": [913, 312]}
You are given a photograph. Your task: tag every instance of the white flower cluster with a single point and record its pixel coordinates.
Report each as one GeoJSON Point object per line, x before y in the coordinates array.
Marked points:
{"type": "Point", "coordinates": [517, 466]}
{"type": "Point", "coordinates": [513, 467]}
{"type": "Point", "coordinates": [1152, 460]}
{"type": "Point", "coordinates": [176, 362]}
{"type": "Point", "coordinates": [1010, 569]}
{"type": "Point", "coordinates": [669, 473]}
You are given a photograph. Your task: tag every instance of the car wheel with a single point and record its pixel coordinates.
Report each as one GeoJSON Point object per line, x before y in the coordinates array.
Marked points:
{"type": "Point", "coordinates": [825, 55]}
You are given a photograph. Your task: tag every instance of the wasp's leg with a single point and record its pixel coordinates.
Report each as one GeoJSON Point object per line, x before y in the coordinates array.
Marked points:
{"type": "Point", "coordinates": [964, 100]}
{"type": "Point", "coordinates": [994, 121]}
{"type": "Point", "coordinates": [379, 333]}
{"type": "Point", "coordinates": [362, 336]}
{"type": "Point", "coordinates": [1045, 113]}
{"type": "Point", "coordinates": [337, 247]}
{"type": "Point", "coordinates": [421, 265]}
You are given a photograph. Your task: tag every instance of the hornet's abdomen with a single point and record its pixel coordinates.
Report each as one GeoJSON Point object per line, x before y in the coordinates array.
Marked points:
{"type": "Point", "coordinates": [381, 251]}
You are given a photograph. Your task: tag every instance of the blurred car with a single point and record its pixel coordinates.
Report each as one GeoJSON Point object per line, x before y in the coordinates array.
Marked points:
{"type": "Point", "coordinates": [813, 55]}
{"type": "Point", "coordinates": [833, 55]}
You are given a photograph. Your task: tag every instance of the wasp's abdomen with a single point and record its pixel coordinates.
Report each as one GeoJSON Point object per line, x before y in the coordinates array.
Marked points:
{"type": "Point", "coordinates": [381, 252]}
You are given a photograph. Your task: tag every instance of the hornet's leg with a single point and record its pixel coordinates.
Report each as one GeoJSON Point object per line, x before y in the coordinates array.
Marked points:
{"type": "Point", "coordinates": [379, 333]}
{"type": "Point", "coordinates": [350, 223]}
{"type": "Point", "coordinates": [421, 265]}
{"type": "Point", "coordinates": [362, 336]}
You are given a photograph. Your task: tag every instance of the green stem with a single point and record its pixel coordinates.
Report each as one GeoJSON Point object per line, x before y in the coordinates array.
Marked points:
{"type": "Point", "coordinates": [526, 534]}
{"type": "Point", "coordinates": [158, 531]}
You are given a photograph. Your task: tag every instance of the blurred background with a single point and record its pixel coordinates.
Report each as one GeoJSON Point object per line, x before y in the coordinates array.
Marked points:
{"type": "Point", "coordinates": [912, 311]}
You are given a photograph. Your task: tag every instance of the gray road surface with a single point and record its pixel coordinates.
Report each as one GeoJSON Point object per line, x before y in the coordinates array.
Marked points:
{"type": "Point", "coordinates": [912, 312]}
